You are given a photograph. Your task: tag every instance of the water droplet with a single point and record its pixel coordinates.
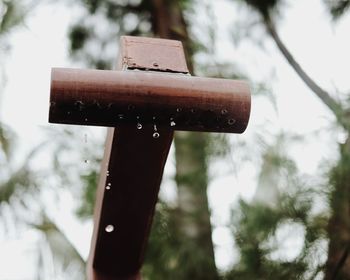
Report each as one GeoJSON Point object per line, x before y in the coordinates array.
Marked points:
{"type": "Point", "coordinates": [68, 113]}
{"type": "Point", "coordinates": [86, 119]}
{"type": "Point", "coordinates": [108, 187]}
{"type": "Point", "coordinates": [86, 161]}
{"type": "Point", "coordinates": [107, 173]}
{"type": "Point", "coordinates": [172, 123]}
{"type": "Point", "coordinates": [231, 121]}
{"type": "Point", "coordinates": [224, 111]}
{"type": "Point", "coordinates": [156, 135]}
{"type": "Point", "coordinates": [120, 116]}
{"type": "Point", "coordinates": [139, 126]}
{"type": "Point", "coordinates": [79, 104]}
{"type": "Point", "coordinates": [109, 228]}
{"type": "Point", "coordinates": [178, 110]}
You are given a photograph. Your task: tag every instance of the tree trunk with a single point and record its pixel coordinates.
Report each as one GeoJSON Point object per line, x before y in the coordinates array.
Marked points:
{"type": "Point", "coordinates": [325, 97]}
{"type": "Point", "coordinates": [193, 215]}
{"type": "Point", "coordinates": [338, 262]}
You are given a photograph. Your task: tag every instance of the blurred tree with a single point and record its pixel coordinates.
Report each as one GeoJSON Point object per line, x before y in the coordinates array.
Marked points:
{"type": "Point", "coordinates": [11, 177]}
{"type": "Point", "coordinates": [282, 202]}
{"type": "Point", "coordinates": [337, 7]}
{"type": "Point", "coordinates": [188, 251]}
{"type": "Point", "coordinates": [338, 263]}
{"type": "Point", "coordinates": [12, 14]}
{"type": "Point", "coordinates": [20, 184]}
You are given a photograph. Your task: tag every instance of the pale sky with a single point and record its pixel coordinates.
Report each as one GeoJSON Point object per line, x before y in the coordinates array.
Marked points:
{"type": "Point", "coordinates": [320, 47]}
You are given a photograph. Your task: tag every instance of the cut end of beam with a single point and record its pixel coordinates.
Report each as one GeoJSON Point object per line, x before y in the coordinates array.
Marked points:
{"type": "Point", "coordinates": [162, 55]}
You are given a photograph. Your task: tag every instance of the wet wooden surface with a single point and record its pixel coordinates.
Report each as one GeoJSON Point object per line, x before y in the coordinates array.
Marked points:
{"type": "Point", "coordinates": [146, 100]}
{"type": "Point", "coordinates": [131, 174]}
{"type": "Point", "coordinates": [176, 101]}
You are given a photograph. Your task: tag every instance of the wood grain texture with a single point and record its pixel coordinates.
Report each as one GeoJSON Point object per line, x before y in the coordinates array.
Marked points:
{"type": "Point", "coordinates": [126, 199]}
{"type": "Point", "coordinates": [151, 89]}
{"type": "Point", "coordinates": [131, 174]}
{"type": "Point", "coordinates": [111, 98]}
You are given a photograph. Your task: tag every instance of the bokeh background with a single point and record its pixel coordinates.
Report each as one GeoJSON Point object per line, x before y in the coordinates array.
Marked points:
{"type": "Point", "coordinates": [271, 203]}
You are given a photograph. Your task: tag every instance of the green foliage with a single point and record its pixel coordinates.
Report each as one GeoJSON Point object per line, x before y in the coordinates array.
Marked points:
{"type": "Point", "coordinates": [11, 15]}
{"type": "Point", "coordinates": [86, 207]}
{"type": "Point", "coordinates": [264, 7]}
{"type": "Point", "coordinates": [65, 257]}
{"type": "Point", "coordinates": [170, 254]}
{"type": "Point", "coordinates": [255, 224]}
{"type": "Point", "coordinates": [120, 17]}
{"type": "Point", "coordinates": [337, 7]}
{"type": "Point", "coordinates": [17, 183]}
{"type": "Point", "coordinates": [84, 171]}
{"type": "Point", "coordinates": [7, 137]}
{"type": "Point", "coordinates": [78, 36]}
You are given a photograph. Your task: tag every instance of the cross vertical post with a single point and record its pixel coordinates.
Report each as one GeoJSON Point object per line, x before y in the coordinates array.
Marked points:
{"type": "Point", "coordinates": [127, 197]}
{"type": "Point", "coordinates": [149, 97]}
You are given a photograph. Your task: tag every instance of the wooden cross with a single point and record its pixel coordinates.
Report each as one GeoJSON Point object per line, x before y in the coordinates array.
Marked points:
{"type": "Point", "coordinates": [150, 96]}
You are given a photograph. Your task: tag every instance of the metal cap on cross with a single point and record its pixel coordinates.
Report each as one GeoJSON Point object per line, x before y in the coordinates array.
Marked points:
{"type": "Point", "coordinates": [150, 96]}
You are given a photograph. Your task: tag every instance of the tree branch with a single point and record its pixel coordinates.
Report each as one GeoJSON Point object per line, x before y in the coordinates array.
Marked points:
{"type": "Point", "coordinates": [325, 97]}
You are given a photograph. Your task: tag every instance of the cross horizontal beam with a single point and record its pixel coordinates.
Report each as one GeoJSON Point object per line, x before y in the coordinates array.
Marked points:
{"type": "Point", "coordinates": [178, 101]}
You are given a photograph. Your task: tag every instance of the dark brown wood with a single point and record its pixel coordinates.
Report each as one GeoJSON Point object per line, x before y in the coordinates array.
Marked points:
{"type": "Point", "coordinates": [145, 105]}
{"type": "Point", "coordinates": [131, 174]}
{"type": "Point", "coordinates": [134, 163]}
{"type": "Point", "coordinates": [181, 102]}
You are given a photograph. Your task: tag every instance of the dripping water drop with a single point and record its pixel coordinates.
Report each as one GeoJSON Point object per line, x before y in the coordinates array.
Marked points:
{"type": "Point", "coordinates": [156, 135]}
{"type": "Point", "coordinates": [139, 126]}
{"type": "Point", "coordinates": [172, 123]}
{"type": "Point", "coordinates": [109, 228]}
{"type": "Point", "coordinates": [107, 173]}
{"type": "Point", "coordinates": [79, 104]}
